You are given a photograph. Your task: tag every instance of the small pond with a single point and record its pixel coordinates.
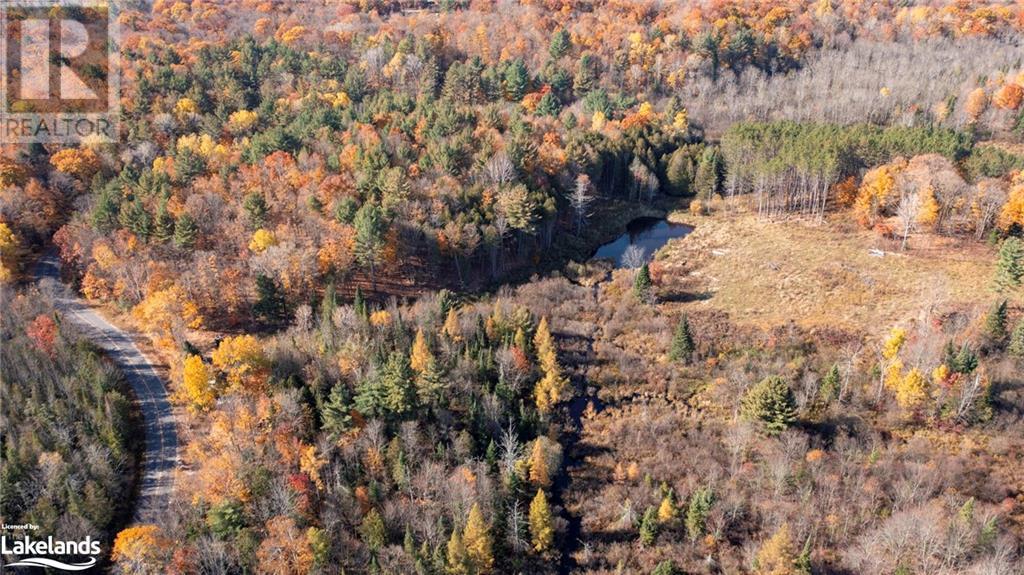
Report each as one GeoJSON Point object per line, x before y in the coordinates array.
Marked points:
{"type": "Point", "coordinates": [647, 233]}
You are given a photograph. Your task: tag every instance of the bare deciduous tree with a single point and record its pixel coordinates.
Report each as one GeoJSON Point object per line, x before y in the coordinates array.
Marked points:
{"type": "Point", "coordinates": [907, 212]}
{"type": "Point", "coordinates": [634, 256]}
{"type": "Point", "coordinates": [580, 200]}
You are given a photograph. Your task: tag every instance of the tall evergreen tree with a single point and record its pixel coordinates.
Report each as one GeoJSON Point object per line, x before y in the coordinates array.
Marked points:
{"type": "Point", "coordinates": [1009, 265]}
{"type": "Point", "coordinates": [707, 182]}
{"type": "Point", "coordinates": [337, 412]}
{"type": "Point", "coordinates": [163, 227]}
{"type": "Point", "coordinates": [105, 213]}
{"type": "Point", "coordinates": [995, 324]}
{"type": "Point", "coordinates": [255, 206]}
{"type": "Point", "coordinates": [771, 403]}
{"type": "Point", "coordinates": [1016, 347]}
{"type": "Point", "coordinates": [642, 284]}
{"type": "Point", "coordinates": [369, 243]}
{"type": "Point", "coordinates": [649, 527]}
{"type": "Point", "coordinates": [397, 381]}
{"type": "Point", "coordinates": [185, 231]}
{"type": "Point", "coordinates": [517, 80]}
{"type": "Point", "coordinates": [270, 302]}
{"type": "Point", "coordinates": [697, 512]}
{"type": "Point", "coordinates": [548, 105]}
{"type": "Point", "coordinates": [830, 384]}
{"type": "Point", "coordinates": [136, 219]}
{"type": "Point", "coordinates": [682, 342]}
{"type": "Point", "coordinates": [679, 172]}
{"type": "Point", "coordinates": [359, 304]}
{"type": "Point", "coordinates": [560, 44]}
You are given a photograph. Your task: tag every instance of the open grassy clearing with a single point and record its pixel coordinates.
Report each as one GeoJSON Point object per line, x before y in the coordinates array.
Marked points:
{"type": "Point", "coordinates": [764, 273]}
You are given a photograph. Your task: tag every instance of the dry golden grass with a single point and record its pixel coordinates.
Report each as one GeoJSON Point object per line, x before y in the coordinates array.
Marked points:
{"type": "Point", "coordinates": [764, 273]}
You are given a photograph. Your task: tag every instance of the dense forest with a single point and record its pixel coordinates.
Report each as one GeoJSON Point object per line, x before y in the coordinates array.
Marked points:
{"type": "Point", "coordinates": [359, 234]}
{"type": "Point", "coordinates": [69, 446]}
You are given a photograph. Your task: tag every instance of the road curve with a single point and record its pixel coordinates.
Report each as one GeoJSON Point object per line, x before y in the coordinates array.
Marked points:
{"type": "Point", "coordinates": [160, 452]}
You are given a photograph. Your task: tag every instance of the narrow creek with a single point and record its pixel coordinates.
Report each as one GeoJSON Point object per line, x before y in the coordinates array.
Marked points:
{"type": "Point", "coordinates": [649, 234]}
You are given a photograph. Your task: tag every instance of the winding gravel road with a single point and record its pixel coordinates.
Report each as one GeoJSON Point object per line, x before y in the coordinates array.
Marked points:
{"type": "Point", "coordinates": [160, 454]}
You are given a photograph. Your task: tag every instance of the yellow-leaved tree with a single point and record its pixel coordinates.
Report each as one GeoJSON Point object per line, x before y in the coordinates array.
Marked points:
{"type": "Point", "coordinates": [928, 212]}
{"type": "Point", "coordinates": [552, 384]}
{"type": "Point", "coordinates": [544, 343]}
{"type": "Point", "coordinates": [165, 310]}
{"type": "Point", "coordinates": [285, 550]}
{"type": "Point", "coordinates": [777, 555]}
{"type": "Point", "coordinates": [875, 192]}
{"type": "Point", "coordinates": [1012, 212]}
{"type": "Point", "coordinates": [549, 389]}
{"type": "Point", "coordinates": [912, 389]}
{"type": "Point", "coordinates": [197, 383]}
{"type": "Point", "coordinates": [242, 361]}
{"type": "Point", "coordinates": [9, 246]}
{"type": "Point", "coordinates": [141, 549]}
{"type": "Point", "coordinates": [452, 328]}
{"type": "Point", "coordinates": [477, 538]}
{"type": "Point", "coordinates": [420, 357]}
{"type": "Point", "coordinates": [261, 240]}
{"type": "Point", "coordinates": [79, 162]}
{"type": "Point", "coordinates": [540, 474]}
{"type": "Point", "coordinates": [542, 529]}
{"type": "Point", "coordinates": [458, 559]}
{"type": "Point", "coordinates": [892, 367]}
{"type": "Point", "coordinates": [667, 508]}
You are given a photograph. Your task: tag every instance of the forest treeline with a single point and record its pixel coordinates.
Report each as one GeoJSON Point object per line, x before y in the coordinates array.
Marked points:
{"type": "Point", "coordinates": [70, 443]}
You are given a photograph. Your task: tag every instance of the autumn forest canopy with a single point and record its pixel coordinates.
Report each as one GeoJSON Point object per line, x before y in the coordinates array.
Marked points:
{"type": "Point", "coordinates": [356, 239]}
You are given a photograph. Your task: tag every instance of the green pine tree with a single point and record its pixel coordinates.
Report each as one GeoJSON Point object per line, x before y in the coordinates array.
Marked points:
{"type": "Point", "coordinates": [1016, 347]}
{"type": "Point", "coordinates": [163, 228]}
{"type": "Point", "coordinates": [642, 284]}
{"type": "Point", "coordinates": [649, 527]}
{"type": "Point", "coordinates": [185, 231]}
{"type": "Point", "coordinates": [682, 342]}
{"type": "Point", "coordinates": [337, 412]}
{"type": "Point", "coordinates": [409, 543]}
{"type": "Point", "coordinates": [255, 206]}
{"type": "Point", "coordinates": [270, 303]}
{"type": "Point", "coordinates": [966, 360]}
{"type": "Point", "coordinates": [372, 531]}
{"type": "Point", "coordinates": [771, 403]}
{"type": "Point", "coordinates": [136, 219]}
{"type": "Point", "coordinates": [559, 44]}
{"type": "Point", "coordinates": [397, 382]}
{"type": "Point", "coordinates": [105, 213]}
{"type": "Point", "coordinates": [359, 304]}
{"type": "Point", "coordinates": [666, 567]}
{"type": "Point", "coordinates": [548, 105]}
{"type": "Point", "coordinates": [679, 173]}
{"type": "Point", "coordinates": [709, 174]}
{"type": "Point", "coordinates": [697, 512]}
{"type": "Point", "coordinates": [1009, 266]}
{"type": "Point", "coordinates": [995, 324]}
{"type": "Point", "coordinates": [517, 80]}
{"type": "Point", "coordinates": [491, 455]}
{"type": "Point", "coordinates": [830, 385]}
{"type": "Point", "coordinates": [369, 244]}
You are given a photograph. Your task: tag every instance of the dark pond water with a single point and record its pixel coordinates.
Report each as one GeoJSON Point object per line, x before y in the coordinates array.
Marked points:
{"type": "Point", "coordinates": [647, 233]}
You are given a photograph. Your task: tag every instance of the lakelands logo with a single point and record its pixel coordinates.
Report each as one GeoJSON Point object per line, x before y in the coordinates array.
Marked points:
{"type": "Point", "coordinates": [30, 550]}
{"type": "Point", "coordinates": [60, 71]}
